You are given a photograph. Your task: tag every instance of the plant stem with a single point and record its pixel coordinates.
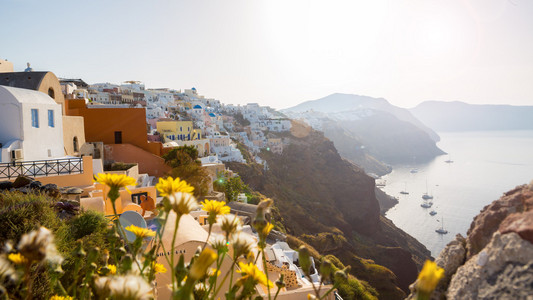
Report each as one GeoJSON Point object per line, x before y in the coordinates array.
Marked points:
{"type": "Point", "coordinates": [178, 217]}
{"type": "Point", "coordinates": [225, 277]}
{"type": "Point", "coordinates": [265, 270]}
{"type": "Point", "coordinates": [327, 293]}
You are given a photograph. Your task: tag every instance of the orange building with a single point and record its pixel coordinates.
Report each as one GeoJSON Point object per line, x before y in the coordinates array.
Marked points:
{"type": "Point", "coordinates": [113, 125]}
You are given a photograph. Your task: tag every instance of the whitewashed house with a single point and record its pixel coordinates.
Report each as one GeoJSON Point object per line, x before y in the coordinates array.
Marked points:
{"type": "Point", "coordinates": [31, 126]}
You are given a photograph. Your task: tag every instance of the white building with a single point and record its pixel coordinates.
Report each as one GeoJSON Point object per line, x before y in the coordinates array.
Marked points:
{"type": "Point", "coordinates": [133, 86]}
{"type": "Point", "coordinates": [31, 126]}
{"type": "Point", "coordinates": [100, 97]}
{"type": "Point", "coordinates": [278, 125]}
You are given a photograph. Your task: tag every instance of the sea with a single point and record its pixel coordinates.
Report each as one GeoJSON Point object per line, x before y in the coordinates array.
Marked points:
{"type": "Point", "coordinates": [485, 165]}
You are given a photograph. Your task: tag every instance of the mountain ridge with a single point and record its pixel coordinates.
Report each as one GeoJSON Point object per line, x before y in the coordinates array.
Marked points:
{"type": "Point", "coordinates": [462, 116]}
{"type": "Point", "coordinates": [369, 131]}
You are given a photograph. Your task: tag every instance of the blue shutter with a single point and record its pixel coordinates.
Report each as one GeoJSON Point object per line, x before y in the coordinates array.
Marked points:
{"type": "Point", "coordinates": [34, 118]}
{"type": "Point", "coordinates": [50, 118]}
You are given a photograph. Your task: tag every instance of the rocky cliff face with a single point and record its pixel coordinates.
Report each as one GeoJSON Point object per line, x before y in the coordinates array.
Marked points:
{"type": "Point", "coordinates": [495, 260]}
{"type": "Point", "coordinates": [331, 204]}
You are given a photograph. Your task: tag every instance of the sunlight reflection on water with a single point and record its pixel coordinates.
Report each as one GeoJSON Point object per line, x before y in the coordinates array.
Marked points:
{"type": "Point", "coordinates": [485, 165]}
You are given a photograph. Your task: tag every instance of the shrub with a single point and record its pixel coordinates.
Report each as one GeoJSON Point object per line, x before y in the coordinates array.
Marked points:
{"type": "Point", "coordinates": [118, 166]}
{"type": "Point", "coordinates": [21, 213]}
{"type": "Point", "coordinates": [87, 223]}
{"type": "Point", "coordinates": [353, 288]}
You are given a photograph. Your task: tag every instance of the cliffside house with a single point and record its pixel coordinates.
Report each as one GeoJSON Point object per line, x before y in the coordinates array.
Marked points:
{"type": "Point", "coordinates": [30, 126]}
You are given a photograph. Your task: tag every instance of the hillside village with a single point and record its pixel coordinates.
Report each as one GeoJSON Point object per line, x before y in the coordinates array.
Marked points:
{"type": "Point", "coordinates": [95, 119]}
{"type": "Point", "coordinates": [57, 134]}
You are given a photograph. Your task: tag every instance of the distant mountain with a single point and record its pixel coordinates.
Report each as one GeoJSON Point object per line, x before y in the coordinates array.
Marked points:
{"type": "Point", "coordinates": [336, 103]}
{"type": "Point", "coordinates": [368, 130]}
{"type": "Point", "coordinates": [460, 116]}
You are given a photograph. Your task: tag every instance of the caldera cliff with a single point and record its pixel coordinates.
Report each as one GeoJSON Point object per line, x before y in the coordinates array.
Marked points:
{"type": "Point", "coordinates": [331, 204]}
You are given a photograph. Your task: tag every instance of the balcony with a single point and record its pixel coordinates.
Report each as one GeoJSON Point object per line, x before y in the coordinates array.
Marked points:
{"type": "Point", "coordinates": [39, 168]}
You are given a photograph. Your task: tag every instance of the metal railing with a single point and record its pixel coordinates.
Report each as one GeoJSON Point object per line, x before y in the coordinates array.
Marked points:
{"type": "Point", "coordinates": [38, 168]}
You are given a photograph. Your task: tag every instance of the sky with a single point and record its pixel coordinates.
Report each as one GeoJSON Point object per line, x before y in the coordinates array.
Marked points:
{"type": "Point", "coordinates": [284, 52]}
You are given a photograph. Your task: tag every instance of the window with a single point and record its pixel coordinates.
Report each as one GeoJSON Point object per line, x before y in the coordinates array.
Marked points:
{"type": "Point", "coordinates": [50, 118]}
{"type": "Point", "coordinates": [34, 118]}
{"type": "Point", "coordinates": [118, 137]}
{"type": "Point", "coordinates": [51, 93]}
{"type": "Point", "coordinates": [75, 144]}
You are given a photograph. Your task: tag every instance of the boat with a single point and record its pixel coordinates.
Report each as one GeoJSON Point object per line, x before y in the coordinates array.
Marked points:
{"type": "Point", "coordinates": [441, 230]}
{"type": "Point", "coordinates": [414, 170]}
{"type": "Point", "coordinates": [405, 192]}
{"type": "Point", "coordinates": [426, 204]}
{"type": "Point", "coordinates": [427, 196]}
{"type": "Point", "coordinates": [381, 183]}
{"type": "Point", "coordinates": [432, 212]}
{"type": "Point", "coordinates": [448, 161]}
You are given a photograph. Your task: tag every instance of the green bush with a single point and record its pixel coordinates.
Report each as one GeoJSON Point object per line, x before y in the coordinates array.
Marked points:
{"type": "Point", "coordinates": [184, 164]}
{"type": "Point", "coordinates": [353, 288]}
{"type": "Point", "coordinates": [87, 223]}
{"type": "Point", "coordinates": [118, 166]}
{"type": "Point", "coordinates": [21, 213]}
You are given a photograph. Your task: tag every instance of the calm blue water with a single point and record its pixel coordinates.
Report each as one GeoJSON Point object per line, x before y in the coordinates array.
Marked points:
{"type": "Point", "coordinates": [486, 164]}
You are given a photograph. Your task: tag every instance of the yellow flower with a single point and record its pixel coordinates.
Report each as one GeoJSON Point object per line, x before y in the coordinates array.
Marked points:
{"type": "Point", "coordinates": [211, 272]}
{"type": "Point", "coordinates": [250, 270]}
{"type": "Point", "coordinates": [140, 232]}
{"type": "Point", "coordinates": [56, 297]}
{"type": "Point", "coordinates": [215, 208]}
{"type": "Point", "coordinates": [158, 268]}
{"type": "Point", "coordinates": [266, 230]}
{"type": "Point", "coordinates": [112, 269]}
{"type": "Point", "coordinates": [170, 186]}
{"type": "Point", "coordinates": [429, 277]}
{"type": "Point", "coordinates": [17, 258]}
{"type": "Point", "coordinates": [200, 265]}
{"type": "Point", "coordinates": [108, 270]}
{"type": "Point", "coordinates": [115, 180]}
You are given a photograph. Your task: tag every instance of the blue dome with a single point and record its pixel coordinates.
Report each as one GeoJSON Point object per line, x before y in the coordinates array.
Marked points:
{"type": "Point", "coordinates": [197, 107]}
{"type": "Point", "coordinates": [212, 115]}
{"type": "Point", "coordinates": [194, 89]}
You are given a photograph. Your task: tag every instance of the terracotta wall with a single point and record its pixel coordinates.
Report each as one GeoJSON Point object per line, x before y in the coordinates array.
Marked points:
{"type": "Point", "coordinates": [79, 180]}
{"type": "Point", "coordinates": [102, 123]}
{"type": "Point", "coordinates": [149, 163]}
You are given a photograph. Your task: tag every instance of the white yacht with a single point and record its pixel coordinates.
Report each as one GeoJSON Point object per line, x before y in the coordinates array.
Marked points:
{"type": "Point", "coordinates": [405, 192]}
{"type": "Point", "coordinates": [441, 230]}
{"type": "Point", "coordinates": [427, 196]}
{"type": "Point", "coordinates": [426, 204]}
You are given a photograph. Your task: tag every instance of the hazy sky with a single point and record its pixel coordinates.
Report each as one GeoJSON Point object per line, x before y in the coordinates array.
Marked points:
{"type": "Point", "coordinates": [281, 53]}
